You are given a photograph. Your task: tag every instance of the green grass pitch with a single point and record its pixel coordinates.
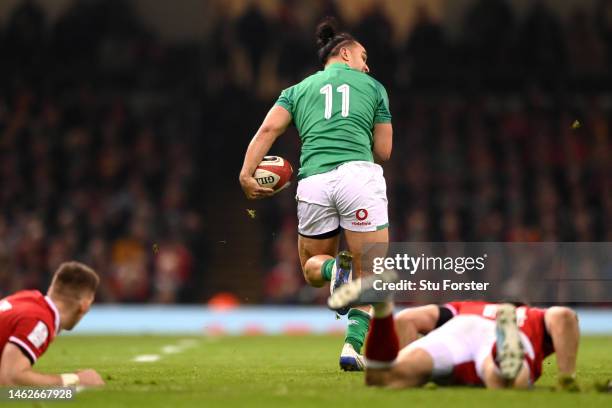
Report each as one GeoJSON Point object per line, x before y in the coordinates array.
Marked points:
{"type": "Point", "coordinates": [278, 371]}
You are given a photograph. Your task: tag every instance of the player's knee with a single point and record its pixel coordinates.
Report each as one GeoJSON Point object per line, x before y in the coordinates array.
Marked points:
{"type": "Point", "coordinates": [312, 273]}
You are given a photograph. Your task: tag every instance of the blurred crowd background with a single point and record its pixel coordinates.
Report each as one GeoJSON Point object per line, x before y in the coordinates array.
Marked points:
{"type": "Point", "coordinates": [121, 146]}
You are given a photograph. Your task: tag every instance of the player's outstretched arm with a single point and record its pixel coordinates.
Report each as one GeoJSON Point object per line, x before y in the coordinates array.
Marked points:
{"type": "Point", "coordinates": [16, 369]}
{"type": "Point", "coordinates": [562, 325]}
{"type": "Point", "coordinates": [275, 124]}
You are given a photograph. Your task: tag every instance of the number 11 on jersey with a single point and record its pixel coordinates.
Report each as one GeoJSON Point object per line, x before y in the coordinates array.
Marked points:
{"type": "Point", "coordinates": [326, 90]}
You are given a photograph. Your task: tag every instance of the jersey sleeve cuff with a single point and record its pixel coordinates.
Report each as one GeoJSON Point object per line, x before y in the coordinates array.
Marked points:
{"type": "Point", "coordinates": [25, 349]}
{"type": "Point", "coordinates": [284, 105]}
{"type": "Point", "coordinates": [382, 120]}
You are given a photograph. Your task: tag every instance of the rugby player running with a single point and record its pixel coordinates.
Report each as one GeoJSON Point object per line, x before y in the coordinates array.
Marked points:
{"type": "Point", "coordinates": [344, 123]}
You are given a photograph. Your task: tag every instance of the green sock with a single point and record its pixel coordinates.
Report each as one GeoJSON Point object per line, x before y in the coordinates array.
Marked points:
{"type": "Point", "coordinates": [326, 269]}
{"type": "Point", "coordinates": [358, 324]}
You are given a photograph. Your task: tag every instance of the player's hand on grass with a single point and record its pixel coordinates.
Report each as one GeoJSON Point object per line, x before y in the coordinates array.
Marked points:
{"type": "Point", "coordinates": [89, 378]}
{"type": "Point", "coordinates": [253, 190]}
{"type": "Point", "coordinates": [568, 383]}
{"type": "Point", "coordinates": [603, 386]}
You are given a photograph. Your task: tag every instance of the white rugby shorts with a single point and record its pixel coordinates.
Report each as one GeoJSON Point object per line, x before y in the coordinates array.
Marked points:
{"type": "Point", "coordinates": [352, 196]}
{"type": "Point", "coordinates": [463, 339]}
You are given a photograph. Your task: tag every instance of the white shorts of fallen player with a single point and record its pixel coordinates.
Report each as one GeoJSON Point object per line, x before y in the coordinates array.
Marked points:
{"type": "Point", "coordinates": [352, 196]}
{"type": "Point", "coordinates": [463, 339]}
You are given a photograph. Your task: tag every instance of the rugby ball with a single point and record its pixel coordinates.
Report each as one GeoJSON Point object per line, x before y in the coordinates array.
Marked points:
{"type": "Point", "coordinates": [274, 172]}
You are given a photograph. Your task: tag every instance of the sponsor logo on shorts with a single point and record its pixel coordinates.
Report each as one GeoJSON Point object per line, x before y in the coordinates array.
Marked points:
{"type": "Point", "coordinates": [361, 216]}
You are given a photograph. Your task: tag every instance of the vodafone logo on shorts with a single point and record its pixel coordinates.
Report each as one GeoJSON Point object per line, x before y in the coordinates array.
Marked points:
{"type": "Point", "coordinates": [361, 215]}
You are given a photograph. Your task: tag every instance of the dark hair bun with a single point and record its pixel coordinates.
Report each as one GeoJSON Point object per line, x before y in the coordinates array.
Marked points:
{"type": "Point", "coordinates": [328, 38]}
{"type": "Point", "coordinates": [326, 31]}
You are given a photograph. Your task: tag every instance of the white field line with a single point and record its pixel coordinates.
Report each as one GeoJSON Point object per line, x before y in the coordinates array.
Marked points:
{"type": "Point", "coordinates": [188, 343]}
{"type": "Point", "coordinates": [146, 358]}
{"type": "Point", "coordinates": [171, 349]}
{"type": "Point", "coordinates": [180, 347]}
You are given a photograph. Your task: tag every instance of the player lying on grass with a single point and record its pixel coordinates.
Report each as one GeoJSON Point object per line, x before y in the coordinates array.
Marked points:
{"type": "Point", "coordinates": [464, 343]}
{"type": "Point", "coordinates": [344, 123]}
{"type": "Point", "coordinates": [29, 322]}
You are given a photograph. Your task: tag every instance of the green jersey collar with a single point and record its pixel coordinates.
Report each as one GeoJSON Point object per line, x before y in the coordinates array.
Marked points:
{"type": "Point", "coordinates": [337, 65]}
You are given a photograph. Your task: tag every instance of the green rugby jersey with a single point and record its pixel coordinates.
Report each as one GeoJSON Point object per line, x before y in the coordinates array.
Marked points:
{"type": "Point", "coordinates": [334, 112]}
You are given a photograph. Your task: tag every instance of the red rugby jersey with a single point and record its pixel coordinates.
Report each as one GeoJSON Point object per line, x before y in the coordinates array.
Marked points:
{"type": "Point", "coordinates": [530, 321]}
{"type": "Point", "coordinates": [29, 320]}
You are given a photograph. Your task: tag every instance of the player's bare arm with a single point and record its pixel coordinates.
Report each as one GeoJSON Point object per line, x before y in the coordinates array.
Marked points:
{"type": "Point", "coordinates": [16, 369]}
{"type": "Point", "coordinates": [413, 322]}
{"type": "Point", "coordinates": [274, 124]}
{"type": "Point", "coordinates": [383, 141]}
{"type": "Point", "coordinates": [562, 326]}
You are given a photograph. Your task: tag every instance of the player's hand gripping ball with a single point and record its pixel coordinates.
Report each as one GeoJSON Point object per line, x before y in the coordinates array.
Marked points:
{"type": "Point", "coordinates": [274, 172]}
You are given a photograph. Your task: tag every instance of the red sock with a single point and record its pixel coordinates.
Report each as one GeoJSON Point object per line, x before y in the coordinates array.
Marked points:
{"type": "Point", "coordinates": [382, 344]}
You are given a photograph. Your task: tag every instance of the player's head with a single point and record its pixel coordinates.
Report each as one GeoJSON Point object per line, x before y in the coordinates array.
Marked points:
{"type": "Point", "coordinates": [340, 47]}
{"type": "Point", "coordinates": [73, 287]}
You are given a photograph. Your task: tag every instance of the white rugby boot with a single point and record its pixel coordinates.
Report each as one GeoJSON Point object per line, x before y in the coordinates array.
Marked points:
{"type": "Point", "coordinates": [350, 360]}
{"type": "Point", "coordinates": [341, 274]}
{"type": "Point", "coordinates": [353, 293]}
{"type": "Point", "coordinates": [510, 352]}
